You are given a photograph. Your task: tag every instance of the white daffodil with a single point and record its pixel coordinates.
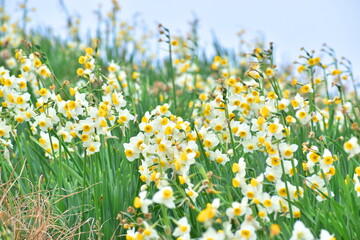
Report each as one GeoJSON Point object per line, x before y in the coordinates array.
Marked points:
{"type": "Point", "coordinates": [352, 147]}
{"type": "Point", "coordinates": [165, 196]}
{"type": "Point", "coordinates": [300, 232]}
{"type": "Point", "coordinates": [325, 235]}
{"type": "Point", "coordinates": [287, 150]}
{"type": "Point", "coordinates": [211, 234]}
{"type": "Point", "coordinates": [142, 202]}
{"type": "Point", "coordinates": [238, 209]}
{"type": "Point", "coordinates": [183, 228]}
{"type": "Point", "coordinates": [92, 147]}
{"type": "Point", "coordinates": [4, 129]}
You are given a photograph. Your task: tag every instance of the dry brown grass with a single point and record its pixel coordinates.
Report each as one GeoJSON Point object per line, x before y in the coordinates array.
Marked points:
{"type": "Point", "coordinates": [35, 216]}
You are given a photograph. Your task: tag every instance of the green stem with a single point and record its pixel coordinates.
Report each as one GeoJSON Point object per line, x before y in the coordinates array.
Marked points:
{"type": "Point", "coordinates": [171, 72]}
{"type": "Point", "coordinates": [166, 222]}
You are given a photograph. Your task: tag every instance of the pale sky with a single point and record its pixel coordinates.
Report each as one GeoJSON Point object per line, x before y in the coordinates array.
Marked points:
{"type": "Point", "coordinates": [289, 24]}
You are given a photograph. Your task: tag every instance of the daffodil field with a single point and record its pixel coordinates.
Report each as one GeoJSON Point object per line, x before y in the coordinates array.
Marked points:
{"type": "Point", "coordinates": [103, 138]}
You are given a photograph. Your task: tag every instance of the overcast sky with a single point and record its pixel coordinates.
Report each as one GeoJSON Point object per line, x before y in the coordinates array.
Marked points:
{"type": "Point", "coordinates": [289, 24]}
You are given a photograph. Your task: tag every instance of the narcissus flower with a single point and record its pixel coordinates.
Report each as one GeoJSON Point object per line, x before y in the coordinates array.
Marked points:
{"type": "Point", "coordinates": [211, 234]}
{"type": "Point", "coordinates": [246, 232]}
{"type": "Point", "coordinates": [183, 228]}
{"type": "Point", "coordinates": [352, 147]}
{"type": "Point", "coordinates": [325, 235]}
{"type": "Point", "coordinates": [165, 196]}
{"type": "Point", "coordinates": [4, 129]}
{"type": "Point", "coordinates": [300, 232]}
{"type": "Point", "coordinates": [238, 209]}
{"type": "Point", "coordinates": [142, 202]}
{"type": "Point", "coordinates": [287, 150]}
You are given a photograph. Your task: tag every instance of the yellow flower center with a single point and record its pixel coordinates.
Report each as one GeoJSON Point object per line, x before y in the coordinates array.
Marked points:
{"type": "Point", "coordinates": [282, 192]}
{"type": "Point", "coordinates": [288, 152]}
{"type": "Point", "coordinates": [314, 157]}
{"type": "Point", "coordinates": [92, 148]}
{"type": "Point", "coordinates": [129, 153]}
{"type": "Point", "coordinates": [237, 211]}
{"type": "Point", "coordinates": [207, 143]}
{"type": "Point", "coordinates": [167, 193]}
{"type": "Point", "coordinates": [267, 203]}
{"type": "Point", "coordinates": [183, 228]}
{"type": "Point", "coordinates": [84, 137]}
{"type": "Point", "coordinates": [42, 124]}
{"type": "Point", "coordinates": [86, 128]}
{"type": "Point", "coordinates": [148, 128]}
{"type": "Point", "coordinates": [328, 160]}
{"type": "Point", "coordinates": [273, 127]}
{"type": "Point", "coordinates": [348, 146]}
{"type": "Point", "coordinates": [245, 234]}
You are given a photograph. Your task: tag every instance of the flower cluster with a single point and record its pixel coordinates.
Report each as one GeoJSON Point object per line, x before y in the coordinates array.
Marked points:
{"type": "Point", "coordinates": [238, 148]}
{"type": "Point", "coordinates": [166, 146]}
{"type": "Point", "coordinates": [240, 119]}
{"type": "Point", "coordinates": [79, 119]}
